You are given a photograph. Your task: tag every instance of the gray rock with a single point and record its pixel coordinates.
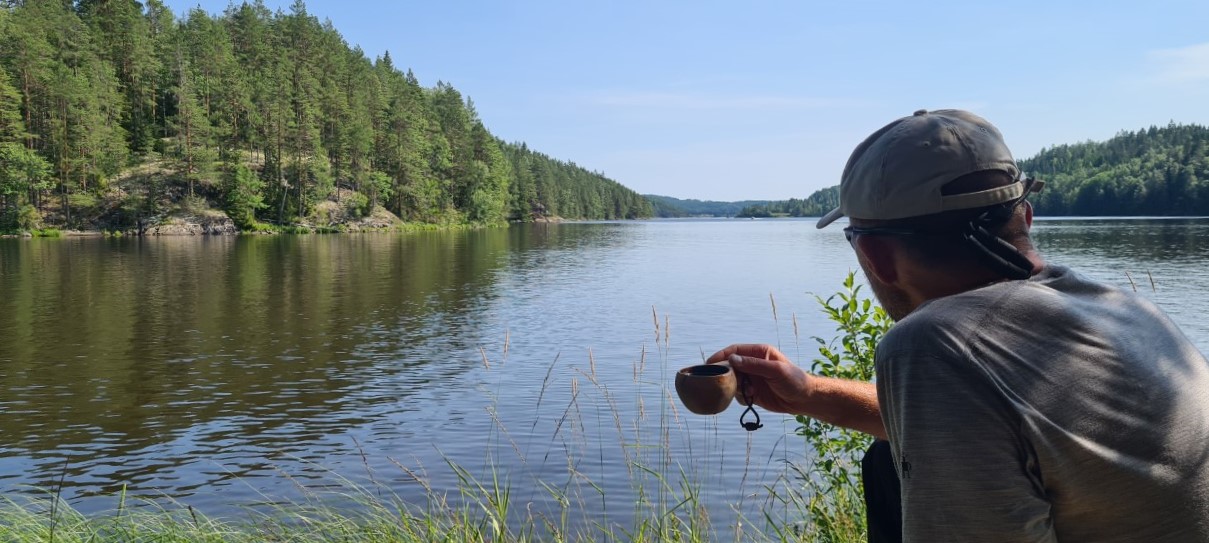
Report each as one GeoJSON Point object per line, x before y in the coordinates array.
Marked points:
{"type": "Point", "coordinates": [206, 225]}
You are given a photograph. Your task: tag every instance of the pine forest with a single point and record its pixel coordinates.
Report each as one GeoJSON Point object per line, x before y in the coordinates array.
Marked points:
{"type": "Point", "coordinates": [116, 113]}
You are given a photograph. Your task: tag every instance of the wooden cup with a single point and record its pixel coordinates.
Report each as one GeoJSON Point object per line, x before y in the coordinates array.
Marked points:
{"type": "Point", "coordinates": [707, 389]}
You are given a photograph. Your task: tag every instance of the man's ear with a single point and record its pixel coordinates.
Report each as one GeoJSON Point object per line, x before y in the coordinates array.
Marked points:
{"type": "Point", "coordinates": [1028, 213]}
{"type": "Point", "coordinates": [881, 256]}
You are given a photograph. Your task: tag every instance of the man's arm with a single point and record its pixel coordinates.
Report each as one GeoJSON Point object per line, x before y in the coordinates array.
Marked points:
{"type": "Point", "coordinates": [777, 384]}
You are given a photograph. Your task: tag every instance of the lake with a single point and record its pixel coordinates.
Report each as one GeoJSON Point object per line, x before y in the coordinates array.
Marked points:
{"type": "Point", "coordinates": [223, 372]}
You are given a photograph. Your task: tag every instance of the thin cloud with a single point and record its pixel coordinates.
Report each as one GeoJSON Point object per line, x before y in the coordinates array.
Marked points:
{"type": "Point", "coordinates": [1188, 64]}
{"type": "Point", "coordinates": [660, 100]}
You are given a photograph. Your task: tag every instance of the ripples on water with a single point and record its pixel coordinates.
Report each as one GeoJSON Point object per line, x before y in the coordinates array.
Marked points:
{"type": "Point", "coordinates": [227, 371]}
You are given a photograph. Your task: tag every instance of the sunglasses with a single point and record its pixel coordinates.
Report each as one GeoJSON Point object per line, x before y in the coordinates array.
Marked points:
{"type": "Point", "coordinates": [852, 232]}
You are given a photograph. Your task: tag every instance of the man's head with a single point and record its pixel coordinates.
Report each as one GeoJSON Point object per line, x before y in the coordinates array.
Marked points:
{"type": "Point", "coordinates": [936, 206]}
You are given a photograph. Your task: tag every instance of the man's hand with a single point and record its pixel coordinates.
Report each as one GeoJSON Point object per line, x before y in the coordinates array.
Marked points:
{"type": "Point", "coordinates": [777, 384]}
{"type": "Point", "coordinates": [773, 381]}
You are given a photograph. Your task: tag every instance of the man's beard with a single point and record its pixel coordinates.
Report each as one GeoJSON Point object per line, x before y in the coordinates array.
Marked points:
{"type": "Point", "coordinates": [896, 302]}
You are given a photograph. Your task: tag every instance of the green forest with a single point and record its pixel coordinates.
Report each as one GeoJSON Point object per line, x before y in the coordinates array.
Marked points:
{"type": "Point", "coordinates": [815, 205]}
{"type": "Point", "coordinates": [1158, 171]}
{"type": "Point", "coordinates": [116, 112]}
{"type": "Point", "coordinates": [1155, 171]}
{"type": "Point", "coordinates": [669, 207]}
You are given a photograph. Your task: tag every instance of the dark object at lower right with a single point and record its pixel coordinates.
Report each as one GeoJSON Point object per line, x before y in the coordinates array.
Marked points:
{"type": "Point", "coordinates": [883, 499]}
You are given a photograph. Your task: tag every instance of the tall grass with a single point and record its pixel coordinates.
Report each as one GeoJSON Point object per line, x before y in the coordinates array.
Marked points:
{"type": "Point", "coordinates": [817, 500]}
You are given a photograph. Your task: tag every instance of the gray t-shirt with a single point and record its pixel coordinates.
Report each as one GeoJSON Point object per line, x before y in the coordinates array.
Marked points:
{"type": "Point", "coordinates": [1052, 409]}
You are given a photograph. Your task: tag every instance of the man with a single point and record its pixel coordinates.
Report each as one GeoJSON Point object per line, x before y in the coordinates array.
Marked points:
{"type": "Point", "coordinates": [1021, 401]}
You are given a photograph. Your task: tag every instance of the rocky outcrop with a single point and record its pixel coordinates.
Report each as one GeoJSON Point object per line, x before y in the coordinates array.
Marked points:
{"type": "Point", "coordinates": [333, 215]}
{"type": "Point", "coordinates": [210, 224]}
{"type": "Point", "coordinates": [380, 219]}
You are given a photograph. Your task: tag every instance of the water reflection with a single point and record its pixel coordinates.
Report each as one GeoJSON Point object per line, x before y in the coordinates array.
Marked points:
{"type": "Point", "coordinates": [222, 370]}
{"type": "Point", "coordinates": [124, 360]}
{"type": "Point", "coordinates": [1163, 241]}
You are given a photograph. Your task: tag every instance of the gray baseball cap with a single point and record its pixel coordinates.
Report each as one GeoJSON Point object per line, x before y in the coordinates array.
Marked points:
{"type": "Point", "coordinates": [898, 172]}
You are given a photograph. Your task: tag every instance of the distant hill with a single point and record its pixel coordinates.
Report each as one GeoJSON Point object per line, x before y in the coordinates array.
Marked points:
{"type": "Point", "coordinates": [668, 207]}
{"type": "Point", "coordinates": [815, 205]}
{"type": "Point", "coordinates": [1157, 171]}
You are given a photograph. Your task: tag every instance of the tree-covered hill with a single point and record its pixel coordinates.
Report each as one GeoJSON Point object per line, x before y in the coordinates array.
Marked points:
{"type": "Point", "coordinates": [1162, 171]}
{"type": "Point", "coordinates": [545, 186]}
{"type": "Point", "coordinates": [263, 114]}
{"type": "Point", "coordinates": [669, 207]}
{"type": "Point", "coordinates": [1153, 171]}
{"type": "Point", "coordinates": [814, 205]}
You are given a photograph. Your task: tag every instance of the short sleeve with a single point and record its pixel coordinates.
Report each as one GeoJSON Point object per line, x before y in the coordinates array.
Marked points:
{"type": "Point", "coordinates": [966, 472]}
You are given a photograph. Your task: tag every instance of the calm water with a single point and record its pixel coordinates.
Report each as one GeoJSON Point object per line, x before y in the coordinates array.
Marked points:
{"type": "Point", "coordinates": [221, 372]}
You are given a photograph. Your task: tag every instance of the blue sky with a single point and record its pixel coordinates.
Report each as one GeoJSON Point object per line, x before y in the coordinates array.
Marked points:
{"type": "Point", "coordinates": [765, 99]}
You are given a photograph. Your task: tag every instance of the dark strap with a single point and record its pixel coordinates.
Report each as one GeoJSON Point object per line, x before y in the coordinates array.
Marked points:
{"type": "Point", "coordinates": [1000, 255]}
{"type": "Point", "coordinates": [750, 426]}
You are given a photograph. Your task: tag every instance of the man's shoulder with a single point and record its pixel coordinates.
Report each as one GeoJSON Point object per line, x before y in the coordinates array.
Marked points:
{"type": "Point", "coordinates": [1003, 300]}
{"type": "Point", "coordinates": [946, 323]}
{"type": "Point", "coordinates": [950, 323]}
{"type": "Point", "coordinates": [941, 330]}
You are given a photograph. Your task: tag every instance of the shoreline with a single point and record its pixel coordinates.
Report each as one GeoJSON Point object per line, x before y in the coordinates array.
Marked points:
{"type": "Point", "coordinates": [182, 228]}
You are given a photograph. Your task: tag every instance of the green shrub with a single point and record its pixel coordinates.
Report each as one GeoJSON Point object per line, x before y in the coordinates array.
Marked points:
{"type": "Point", "coordinates": [28, 217]}
{"type": "Point", "coordinates": [195, 205]}
{"type": "Point", "coordinates": [83, 202]}
{"type": "Point", "coordinates": [379, 187]}
{"type": "Point", "coordinates": [136, 207]}
{"type": "Point", "coordinates": [243, 193]}
{"type": "Point", "coordinates": [357, 205]}
{"type": "Point", "coordinates": [835, 503]}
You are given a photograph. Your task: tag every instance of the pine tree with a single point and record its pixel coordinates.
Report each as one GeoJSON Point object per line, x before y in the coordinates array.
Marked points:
{"type": "Point", "coordinates": [12, 127]}
{"type": "Point", "coordinates": [309, 168]}
{"type": "Point", "coordinates": [454, 121]}
{"type": "Point", "coordinates": [405, 149]}
{"type": "Point", "coordinates": [243, 195]}
{"type": "Point", "coordinates": [489, 179]}
{"type": "Point", "coordinates": [22, 172]}
{"type": "Point", "coordinates": [352, 151]}
{"type": "Point", "coordinates": [192, 129]}
{"type": "Point", "coordinates": [124, 39]}
{"type": "Point", "coordinates": [71, 97]}
{"type": "Point", "coordinates": [222, 91]}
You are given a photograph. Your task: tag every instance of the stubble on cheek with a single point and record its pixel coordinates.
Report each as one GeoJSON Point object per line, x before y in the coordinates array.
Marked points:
{"type": "Point", "coordinates": [893, 300]}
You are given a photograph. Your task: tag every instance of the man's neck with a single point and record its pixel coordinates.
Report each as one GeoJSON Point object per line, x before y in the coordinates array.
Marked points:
{"type": "Point", "coordinates": [933, 284]}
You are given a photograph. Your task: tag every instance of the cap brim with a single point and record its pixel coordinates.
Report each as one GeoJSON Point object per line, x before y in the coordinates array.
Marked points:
{"type": "Point", "coordinates": [829, 218]}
